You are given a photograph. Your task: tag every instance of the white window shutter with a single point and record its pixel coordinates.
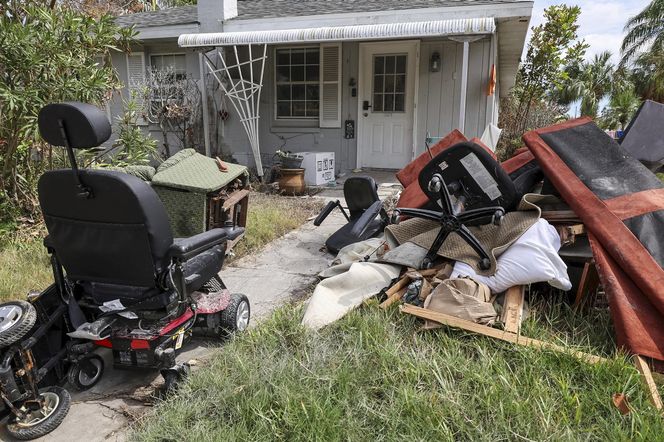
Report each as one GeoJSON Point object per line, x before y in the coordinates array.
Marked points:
{"type": "Point", "coordinates": [136, 78]}
{"type": "Point", "coordinates": [330, 85]}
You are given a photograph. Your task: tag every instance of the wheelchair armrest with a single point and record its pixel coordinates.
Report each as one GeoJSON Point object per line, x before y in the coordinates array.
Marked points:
{"type": "Point", "coordinates": [329, 207]}
{"type": "Point", "coordinates": [367, 217]}
{"type": "Point", "coordinates": [233, 232]}
{"type": "Point", "coordinates": [186, 248]}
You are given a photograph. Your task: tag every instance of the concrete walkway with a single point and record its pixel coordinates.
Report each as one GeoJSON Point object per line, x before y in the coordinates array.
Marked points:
{"type": "Point", "coordinates": [285, 269]}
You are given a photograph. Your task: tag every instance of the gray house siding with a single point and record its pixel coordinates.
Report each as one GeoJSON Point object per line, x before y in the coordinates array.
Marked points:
{"type": "Point", "coordinates": [439, 92]}
{"type": "Point", "coordinates": [437, 107]}
{"type": "Point", "coordinates": [119, 60]}
{"type": "Point", "coordinates": [437, 111]}
{"type": "Point", "coordinates": [289, 135]}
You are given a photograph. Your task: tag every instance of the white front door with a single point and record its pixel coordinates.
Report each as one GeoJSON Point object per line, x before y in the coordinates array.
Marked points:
{"type": "Point", "coordinates": [386, 104]}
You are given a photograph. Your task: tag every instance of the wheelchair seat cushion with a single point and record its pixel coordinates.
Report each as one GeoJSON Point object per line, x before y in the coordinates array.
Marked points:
{"type": "Point", "coordinates": [140, 298]}
{"type": "Point", "coordinates": [342, 237]}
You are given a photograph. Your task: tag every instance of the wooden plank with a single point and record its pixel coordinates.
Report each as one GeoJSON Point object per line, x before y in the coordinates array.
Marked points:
{"type": "Point", "coordinates": [576, 229]}
{"type": "Point", "coordinates": [231, 244]}
{"type": "Point", "coordinates": [235, 198]}
{"type": "Point", "coordinates": [512, 313]}
{"type": "Point", "coordinates": [653, 392]}
{"type": "Point", "coordinates": [589, 282]}
{"type": "Point", "coordinates": [393, 298]}
{"type": "Point", "coordinates": [506, 336]}
{"type": "Point", "coordinates": [393, 292]}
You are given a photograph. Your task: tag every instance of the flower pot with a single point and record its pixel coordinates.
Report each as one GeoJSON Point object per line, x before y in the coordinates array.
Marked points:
{"type": "Point", "coordinates": [291, 162]}
{"type": "Point", "coordinates": [291, 181]}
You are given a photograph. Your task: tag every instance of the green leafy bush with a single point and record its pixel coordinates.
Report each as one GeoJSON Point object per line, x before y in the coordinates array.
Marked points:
{"type": "Point", "coordinates": [47, 54]}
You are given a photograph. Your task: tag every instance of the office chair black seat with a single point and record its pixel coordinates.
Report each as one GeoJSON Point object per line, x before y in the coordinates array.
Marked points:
{"type": "Point", "coordinates": [468, 188]}
{"type": "Point", "coordinates": [109, 229]}
{"type": "Point", "coordinates": [366, 217]}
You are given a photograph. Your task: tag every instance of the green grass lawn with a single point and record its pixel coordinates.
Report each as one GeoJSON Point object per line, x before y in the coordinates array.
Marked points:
{"type": "Point", "coordinates": [24, 263]}
{"type": "Point", "coordinates": [374, 376]}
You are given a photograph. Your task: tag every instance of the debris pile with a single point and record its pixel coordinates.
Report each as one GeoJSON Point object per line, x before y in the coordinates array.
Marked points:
{"type": "Point", "coordinates": [469, 235]}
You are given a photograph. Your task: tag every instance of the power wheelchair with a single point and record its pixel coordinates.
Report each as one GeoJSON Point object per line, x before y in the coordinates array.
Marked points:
{"type": "Point", "coordinates": [121, 281]}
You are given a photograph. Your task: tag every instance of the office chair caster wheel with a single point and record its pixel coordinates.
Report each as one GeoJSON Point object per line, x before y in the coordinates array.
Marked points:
{"type": "Point", "coordinates": [39, 422]}
{"type": "Point", "coordinates": [235, 317]}
{"type": "Point", "coordinates": [85, 373]}
{"type": "Point", "coordinates": [485, 264]}
{"type": "Point", "coordinates": [16, 319]}
{"type": "Point", "coordinates": [498, 217]}
{"type": "Point", "coordinates": [395, 218]}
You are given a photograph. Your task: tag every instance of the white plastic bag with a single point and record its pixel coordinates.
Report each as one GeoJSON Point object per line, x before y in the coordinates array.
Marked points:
{"type": "Point", "coordinates": [532, 258]}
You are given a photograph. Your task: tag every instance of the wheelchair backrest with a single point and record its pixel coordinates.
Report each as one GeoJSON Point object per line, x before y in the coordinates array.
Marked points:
{"type": "Point", "coordinates": [118, 233]}
{"type": "Point", "coordinates": [360, 192]}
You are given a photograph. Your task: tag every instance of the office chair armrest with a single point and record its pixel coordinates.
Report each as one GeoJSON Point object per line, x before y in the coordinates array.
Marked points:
{"type": "Point", "coordinates": [367, 217]}
{"type": "Point", "coordinates": [186, 248]}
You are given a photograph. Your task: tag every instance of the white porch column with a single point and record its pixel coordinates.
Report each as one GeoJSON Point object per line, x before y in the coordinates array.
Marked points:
{"type": "Point", "coordinates": [204, 97]}
{"type": "Point", "coordinates": [464, 86]}
{"type": "Point", "coordinates": [466, 40]}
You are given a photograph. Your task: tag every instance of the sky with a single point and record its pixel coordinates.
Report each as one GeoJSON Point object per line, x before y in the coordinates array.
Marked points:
{"type": "Point", "coordinates": [601, 22]}
{"type": "Point", "coordinates": [601, 25]}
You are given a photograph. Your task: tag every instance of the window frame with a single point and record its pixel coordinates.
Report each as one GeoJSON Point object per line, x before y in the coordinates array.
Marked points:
{"type": "Point", "coordinates": [305, 120]}
{"type": "Point", "coordinates": [384, 75]}
{"type": "Point", "coordinates": [168, 54]}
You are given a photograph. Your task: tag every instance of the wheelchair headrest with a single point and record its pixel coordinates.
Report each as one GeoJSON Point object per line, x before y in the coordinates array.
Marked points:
{"type": "Point", "coordinates": [86, 125]}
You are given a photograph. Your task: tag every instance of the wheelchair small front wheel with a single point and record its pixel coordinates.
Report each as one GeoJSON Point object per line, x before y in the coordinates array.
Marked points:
{"type": "Point", "coordinates": [16, 319]}
{"type": "Point", "coordinates": [85, 373]}
{"type": "Point", "coordinates": [235, 317]}
{"type": "Point", "coordinates": [34, 423]}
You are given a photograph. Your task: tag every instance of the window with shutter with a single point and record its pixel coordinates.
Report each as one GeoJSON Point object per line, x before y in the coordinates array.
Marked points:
{"type": "Point", "coordinates": [330, 83]}
{"type": "Point", "coordinates": [136, 78]}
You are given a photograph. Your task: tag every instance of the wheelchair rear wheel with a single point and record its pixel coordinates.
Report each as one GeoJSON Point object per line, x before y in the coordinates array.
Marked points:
{"type": "Point", "coordinates": [16, 320]}
{"type": "Point", "coordinates": [235, 317]}
{"type": "Point", "coordinates": [41, 421]}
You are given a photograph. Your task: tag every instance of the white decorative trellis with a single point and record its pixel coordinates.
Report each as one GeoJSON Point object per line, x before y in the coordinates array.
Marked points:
{"type": "Point", "coordinates": [244, 94]}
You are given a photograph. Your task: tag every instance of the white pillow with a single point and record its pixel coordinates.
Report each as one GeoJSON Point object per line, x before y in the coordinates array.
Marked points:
{"type": "Point", "coordinates": [532, 258]}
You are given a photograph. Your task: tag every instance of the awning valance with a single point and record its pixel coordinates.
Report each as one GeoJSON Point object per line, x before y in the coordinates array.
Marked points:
{"type": "Point", "coordinates": [437, 28]}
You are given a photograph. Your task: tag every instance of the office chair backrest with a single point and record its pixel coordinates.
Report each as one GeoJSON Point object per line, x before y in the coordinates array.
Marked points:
{"type": "Point", "coordinates": [360, 193]}
{"type": "Point", "coordinates": [471, 172]}
{"type": "Point", "coordinates": [116, 233]}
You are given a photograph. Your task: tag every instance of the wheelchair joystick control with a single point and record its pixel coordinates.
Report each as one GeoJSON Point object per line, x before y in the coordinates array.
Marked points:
{"type": "Point", "coordinates": [436, 183]}
{"type": "Point", "coordinates": [498, 217]}
{"type": "Point", "coordinates": [396, 217]}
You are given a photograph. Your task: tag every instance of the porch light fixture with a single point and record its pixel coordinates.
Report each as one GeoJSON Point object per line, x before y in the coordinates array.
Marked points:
{"type": "Point", "coordinates": [434, 64]}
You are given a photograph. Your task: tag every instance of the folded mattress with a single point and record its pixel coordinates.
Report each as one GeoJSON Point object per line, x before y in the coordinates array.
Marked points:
{"type": "Point", "coordinates": [621, 203]}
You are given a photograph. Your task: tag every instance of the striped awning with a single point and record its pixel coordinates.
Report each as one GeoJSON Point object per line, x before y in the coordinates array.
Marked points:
{"type": "Point", "coordinates": [437, 28]}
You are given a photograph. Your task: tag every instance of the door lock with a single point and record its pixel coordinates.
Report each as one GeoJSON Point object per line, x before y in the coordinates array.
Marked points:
{"type": "Point", "coordinates": [366, 105]}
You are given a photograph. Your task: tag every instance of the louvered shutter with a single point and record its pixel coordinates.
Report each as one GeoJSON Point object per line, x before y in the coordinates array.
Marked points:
{"type": "Point", "coordinates": [330, 96]}
{"type": "Point", "coordinates": [136, 79]}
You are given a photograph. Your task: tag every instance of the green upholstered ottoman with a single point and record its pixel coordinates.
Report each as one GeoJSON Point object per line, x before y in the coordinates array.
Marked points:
{"type": "Point", "coordinates": [198, 196]}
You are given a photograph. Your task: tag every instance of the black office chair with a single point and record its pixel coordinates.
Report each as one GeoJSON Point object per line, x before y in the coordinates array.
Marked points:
{"type": "Point", "coordinates": [367, 217]}
{"type": "Point", "coordinates": [470, 188]}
